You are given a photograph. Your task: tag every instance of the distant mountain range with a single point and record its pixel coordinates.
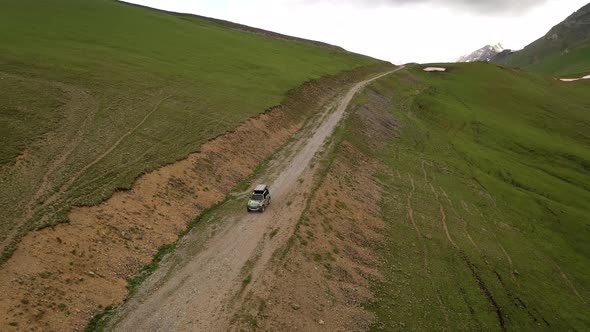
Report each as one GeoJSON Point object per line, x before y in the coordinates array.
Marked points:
{"type": "Point", "coordinates": [485, 53]}
{"type": "Point", "coordinates": [564, 50]}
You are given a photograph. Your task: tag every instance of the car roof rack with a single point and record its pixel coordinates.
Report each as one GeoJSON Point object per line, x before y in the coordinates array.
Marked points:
{"type": "Point", "coordinates": [260, 187]}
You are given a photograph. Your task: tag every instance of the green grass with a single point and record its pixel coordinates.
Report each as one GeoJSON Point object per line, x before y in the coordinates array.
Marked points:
{"type": "Point", "coordinates": [511, 151]}
{"type": "Point", "coordinates": [575, 63]}
{"type": "Point", "coordinates": [563, 51]}
{"type": "Point", "coordinates": [78, 78]}
{"type": "Point", "coordinates": [100, 320]}
{"type": "Point", "coordinates": [27, 111]}
{"type": "Point", "coordinates": [246, 281]}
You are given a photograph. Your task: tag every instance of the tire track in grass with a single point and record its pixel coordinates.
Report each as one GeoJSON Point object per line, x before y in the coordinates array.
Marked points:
{"type": "Point", "coordinates": [463, 222]}
{"type": "Point", "coordinates": [424, 249]}
{"type": "Point", "coordinates": [465, 207]}
{"type": "Point", "coordinates": [123, 167]}
{"type": "Point", "coordinates": [474, 272]}
{"type": "Point", "coordinates": [58, 195]}
{"type": "Point", "coordinates": [78, 100]}
{"type": "Point", "coordinates": [425, 174]}
{"type": "Point", "coordinates": [518, 302]}
{"type": "Point", "coordinates": [569, 283]}
{"type": "Point", "coordinates": [507, 258]}
{"type": "Point", "coordinates": [484, 288]}
{"type": "Point", "coordinates": [81, 172]}
{"type": "Point", "coordinates": [441, 208]}
{"type": "Point", "coordinates": [506, 255]}
{"type": "Point", "coordinates": [107, 177]}
{"type": "Point", "coordinates": [72, 144]}
{"type": "Point", "coordinates": [432, 174]}
{"type": "Point", "coordinates": [534, 314]}
{"type": "Point", "coordinates": [443, 217]}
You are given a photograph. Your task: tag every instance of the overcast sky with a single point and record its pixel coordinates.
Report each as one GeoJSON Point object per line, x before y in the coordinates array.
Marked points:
{"type": "Point", "coordinates": [399, 31]}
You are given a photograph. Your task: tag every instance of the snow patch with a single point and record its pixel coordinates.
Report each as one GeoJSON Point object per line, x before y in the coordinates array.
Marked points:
{"type": "Point", "coordinates": [587, 77]}
{"type": "Point", "coordinates": [430, 69]}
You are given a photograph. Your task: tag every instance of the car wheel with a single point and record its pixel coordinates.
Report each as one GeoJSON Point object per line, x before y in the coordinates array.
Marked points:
{"type": "Point", "coordinates": [263, 208]}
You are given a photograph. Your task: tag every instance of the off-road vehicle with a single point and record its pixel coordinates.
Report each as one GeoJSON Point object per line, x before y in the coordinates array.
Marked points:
{"type": "Point", "coordinates": [260, 198]}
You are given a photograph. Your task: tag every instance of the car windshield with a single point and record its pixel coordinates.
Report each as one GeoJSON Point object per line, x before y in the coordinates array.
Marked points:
{"type": "Point", "coordinates": [257, 197]}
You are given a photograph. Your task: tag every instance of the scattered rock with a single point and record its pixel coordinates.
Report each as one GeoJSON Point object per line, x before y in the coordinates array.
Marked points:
{"type": "Point", "coordinates": [428, 236]}
{"type": "Point", "coordinates": [92, 274]}
{"type": "Point", "coordinates": [321, 322]}
{"type": "Point", "coordinates": [295, 306]}
{"type": "Point", "coordinates": [126, 235]}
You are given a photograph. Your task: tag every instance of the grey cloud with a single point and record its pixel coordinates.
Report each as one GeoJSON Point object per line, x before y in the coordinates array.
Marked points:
{"type": "Point", "coordinates": [474, 6]}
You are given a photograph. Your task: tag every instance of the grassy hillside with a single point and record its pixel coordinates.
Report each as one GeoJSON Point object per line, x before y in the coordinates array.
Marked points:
{"type": "Point", "coordinates": [564, 50]}
{"type": "Point", "coordinates": [576, 63]}
{"type": "Point", "coordinates": [486, 202]}
{"type": "Point", "coordinates": [93, 93]}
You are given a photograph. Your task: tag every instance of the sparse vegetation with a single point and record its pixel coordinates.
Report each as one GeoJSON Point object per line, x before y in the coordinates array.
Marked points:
{"type": "Point", "coordinates": [317, 257]}
{"type": "Point", "coordinates": [341, 205]}
{"type": "Point", "coordinates": [134, 282]}
{"type": "Point", "coordinates": [246, 280]}
{"type": "Point", "coordinates": [252, 321]}
{"type": "Point", "coordinates": [99, 321]}
{"type": "Point", "coordinates": [273, 233]}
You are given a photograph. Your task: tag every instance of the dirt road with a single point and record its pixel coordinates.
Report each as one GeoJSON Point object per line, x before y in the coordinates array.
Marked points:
{"type": "Point", "coordinates": [199, 287]}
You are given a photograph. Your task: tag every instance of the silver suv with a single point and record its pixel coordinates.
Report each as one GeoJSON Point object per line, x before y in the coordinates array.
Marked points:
{"type": "Point", "coordinates": [260, 198]}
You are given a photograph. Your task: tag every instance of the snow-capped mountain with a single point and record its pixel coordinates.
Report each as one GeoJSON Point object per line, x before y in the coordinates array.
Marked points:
{"type": "Point", "coordinates": [485, 53]}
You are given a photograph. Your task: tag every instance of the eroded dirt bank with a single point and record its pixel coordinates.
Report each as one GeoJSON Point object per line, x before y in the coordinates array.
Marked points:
{"type": "Point", "coordinates": [59, 277]}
